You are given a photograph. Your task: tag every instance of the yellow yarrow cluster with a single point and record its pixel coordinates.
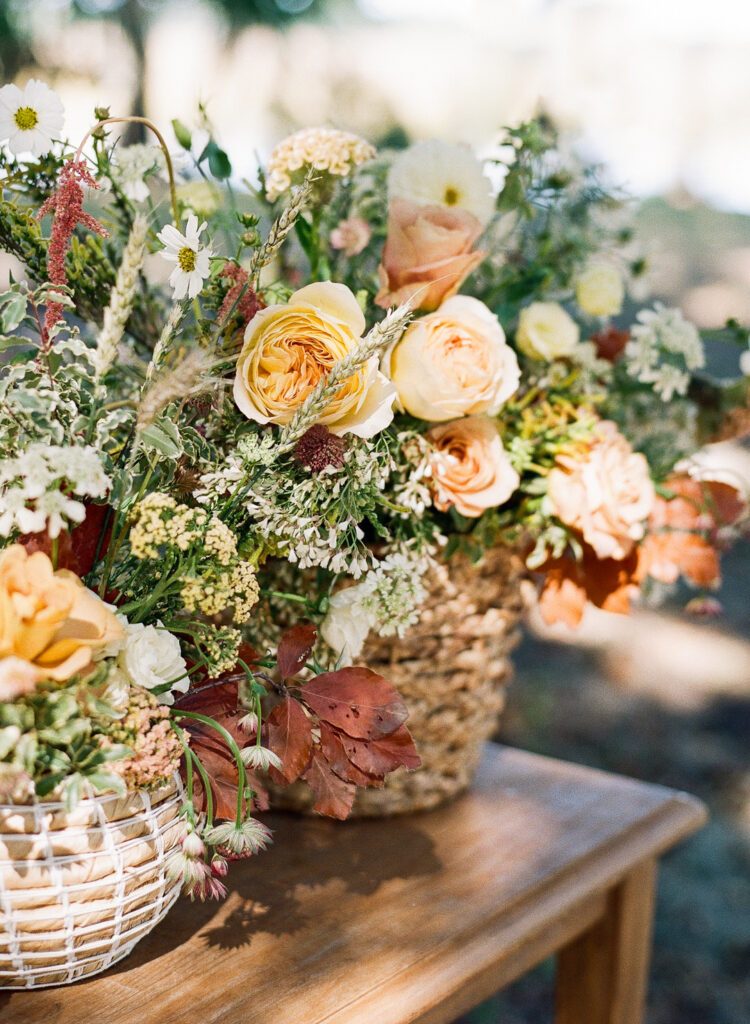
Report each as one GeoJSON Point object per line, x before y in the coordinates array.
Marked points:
{"type": "Point", "coordinates": [211, 594]}
{"type": "Point", "coordinates": [324, 149]}
{"type": "Point", "coordinates": [220, 542]}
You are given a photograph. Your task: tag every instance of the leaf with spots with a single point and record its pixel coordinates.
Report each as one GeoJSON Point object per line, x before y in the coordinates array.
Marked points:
{"type": "Point", "coordinates": [289, 735]}
{"type": "Point", "coordinates": [356, 700]}
{"type": "Point", "coordinates": [334, 750]}
{"type": "Point", "coordinates": [378, 757]}
{"type": "Point", "coordinates": [295, 647]}
{"type": "Point", "coordinates": [333, 796]}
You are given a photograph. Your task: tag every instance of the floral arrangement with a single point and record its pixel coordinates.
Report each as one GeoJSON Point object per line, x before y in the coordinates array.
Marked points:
{"type": "Point", "coordinates": [241, 425]}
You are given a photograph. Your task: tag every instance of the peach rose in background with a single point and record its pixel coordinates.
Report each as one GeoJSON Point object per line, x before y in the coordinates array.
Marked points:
{"type": "Point", "coordinates": [48, 619]}
{"type": "Point", "coordinates": [604, 492]}
{"type": "Point", "coordinates": [470, 469]}
{"type": "Point", "coordinates": [427, 254]}
{"type": "Point", "coordinates": [289, 348]}
{"type": "Point", "coordinates": [454, 362]}
{"type": "Point", "coordinates": [546, 331]}
{"type": "Point", "coordinates": [351, 236]}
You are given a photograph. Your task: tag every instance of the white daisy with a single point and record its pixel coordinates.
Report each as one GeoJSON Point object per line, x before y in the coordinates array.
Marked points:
{"type": "Point", "coordinates": [191, 258]}
{"type": "Point", "coordinates": [30, 117]}
{"type": "Point", "coordinates": [442, 174]}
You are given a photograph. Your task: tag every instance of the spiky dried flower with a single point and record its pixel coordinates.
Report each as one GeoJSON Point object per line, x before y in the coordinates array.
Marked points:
{"type": "Point", "coordinates": [318, 448]}
{"type": "Point", "coordinates": [189, 377]}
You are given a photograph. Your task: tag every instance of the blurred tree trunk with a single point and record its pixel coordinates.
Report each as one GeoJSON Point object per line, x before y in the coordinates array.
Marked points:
{"type": "Point", "coordinates": [133, 21]}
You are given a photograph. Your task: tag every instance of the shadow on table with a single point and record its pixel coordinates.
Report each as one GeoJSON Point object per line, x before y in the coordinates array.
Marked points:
{"type": "Point", "coordinates": [307, 855]}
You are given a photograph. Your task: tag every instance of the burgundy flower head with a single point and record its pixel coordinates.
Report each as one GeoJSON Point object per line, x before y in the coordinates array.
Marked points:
{"type": "Point", "coordinates": [318, 448]}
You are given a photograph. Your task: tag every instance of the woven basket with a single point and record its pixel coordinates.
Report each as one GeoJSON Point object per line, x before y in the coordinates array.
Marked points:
{"type": "Point", "coordinates": [450, 669]}
{"type": "Point", "coordinates": [78, 890]}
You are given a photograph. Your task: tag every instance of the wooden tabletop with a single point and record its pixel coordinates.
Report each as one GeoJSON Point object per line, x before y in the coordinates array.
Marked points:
{"type": "Point", "coordinates": [412, 919]}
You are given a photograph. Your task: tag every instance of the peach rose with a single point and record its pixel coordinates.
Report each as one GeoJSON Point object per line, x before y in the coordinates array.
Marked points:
{"type": "Point", "coordinates": [289, 348]}
{"type": "Point", "coordinates": [606, 493]}
{"type": "Point", "coordinates": [48, 619]}
{"type": "Point", "coordinates": [427, 254]}
{"type": "Point", "coordinates": [16, 678]}
{"type": "Point", "coordinates": [454, 362]}
{"type": "Point", "coordinates": [470, 469]}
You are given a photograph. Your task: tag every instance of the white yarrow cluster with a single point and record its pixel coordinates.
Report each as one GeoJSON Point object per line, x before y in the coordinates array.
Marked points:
{"type": "Point", "coordinates": [663, 350]}
{"type": "Point", "coordinates": [132, 165]}
{"type": "Point", "coordinates": [31, 494]}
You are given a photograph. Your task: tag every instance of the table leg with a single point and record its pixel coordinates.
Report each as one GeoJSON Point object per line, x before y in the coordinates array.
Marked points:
{"type": "Point", "coordinates": [602, 975]}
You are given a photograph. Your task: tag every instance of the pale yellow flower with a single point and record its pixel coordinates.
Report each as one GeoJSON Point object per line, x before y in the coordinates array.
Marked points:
{"type": "Point", "coordinates": [324, 149]}
{"type": "Point", "coordinates": [600, 290]}
{"type": "Point", "coordinates": [546, 331]}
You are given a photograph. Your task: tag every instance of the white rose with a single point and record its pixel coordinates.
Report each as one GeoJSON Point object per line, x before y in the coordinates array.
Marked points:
{"type": "Point", "coordinates": [348, 622]}
{"type": "Point", "coordinates": [599, 290]}
{"type": "Point", "coordinates": [152, 657]}
{"type": "Point", "coordinates": [454, 362]}
{"type": "Point", "coordinates": [546, 331]}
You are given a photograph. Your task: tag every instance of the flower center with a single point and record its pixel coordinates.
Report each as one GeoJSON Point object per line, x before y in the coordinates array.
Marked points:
{"type": "Point", "coordinates": [186, 259]}
{"type": "Point", "coordinates": [451, 196]}
{"type": "Point", "coordinates": [26, 118]}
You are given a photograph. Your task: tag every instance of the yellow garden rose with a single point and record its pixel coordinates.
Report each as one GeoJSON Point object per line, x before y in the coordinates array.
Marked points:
{"type": "Point", "coordinates": [546, 331]}
{"type": "Point", "coordinates": [599, 289]}
{"type": "Point", "coordinates": [454, 362]}
{"type": "Point", "coordinates": [289, 348]}
{"type": "Point", "coordinates": [469, 467]}
{"type": "Point", "coordinates": [48, 619]}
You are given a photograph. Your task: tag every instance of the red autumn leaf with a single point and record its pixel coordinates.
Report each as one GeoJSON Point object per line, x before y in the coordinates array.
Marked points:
{"type": "Point", "coordinates": [295, 648]}
{"type": "Point", "coordinates": [217, 700]}
{"type": "Point", "coordinates": [360, 702]}
{"type": "Point", "coordinates": [332, 746]}
{"type": "Point", "coordinates": [220, 767]}
{"type": "Point", "coordinates": [609, 583]}
{"type": "Point", "coordinates": [289, 735]}
{"type": "Point", "coordinates": [333, 796]}
{"type": "Point", "coordinates": [378, 757]}
{"type": "Point", "coordinates": [672, 553]}
{"type": "Point", "coordinates": [562, 599]}
{"type": "Point", "coordinates": [76, 549]}
{"type": "Point", "coordinates": [702, 505]}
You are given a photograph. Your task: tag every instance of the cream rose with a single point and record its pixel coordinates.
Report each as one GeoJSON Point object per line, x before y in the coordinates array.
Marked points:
{"type": "Point", "coordinates": [454, 362]}
{"type": "Point", "coordinates": [600, 290]}
{"type": "Point", "coordinates": [605, 492]}
{"type": "Point", "coordinates": [48, 618]}
{"type": "Point", "coordinates": [470, 469]}
{"type": "Point", "coordinates": [348, 621]}
{"type": "Point", "coordinates": [289, 348]}
{"type": "Point", "coordinates": [152, 658]}
{"type": "Point", "coordinates": [16, 678]}
{"type": "Point", "coordinates": [546, 331]}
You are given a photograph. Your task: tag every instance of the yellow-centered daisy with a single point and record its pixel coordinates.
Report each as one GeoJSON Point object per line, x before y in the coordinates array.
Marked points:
{"type": "Point", "coordinates": [30, 117]}
{"type": "Point", "coordinates": [191, 259]}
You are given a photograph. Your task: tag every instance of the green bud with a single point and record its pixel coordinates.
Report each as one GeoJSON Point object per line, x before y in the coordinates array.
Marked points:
{"type": "Point", "coordinates": [182, 133]}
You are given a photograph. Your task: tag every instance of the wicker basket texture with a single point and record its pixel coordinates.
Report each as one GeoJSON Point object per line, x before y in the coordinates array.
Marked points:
{"type": "Point", "coordinates": [450, 669]}
{"type": "Point", "coordinates": [79, 889]}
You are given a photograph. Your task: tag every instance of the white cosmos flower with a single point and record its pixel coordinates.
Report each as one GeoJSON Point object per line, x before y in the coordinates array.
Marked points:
{"type": "Point", "coordinates": [30, 117]}
{"type": "Point", "coordinates": [441, 174]}
{"type": "Point", "coordinates": [190, 257]}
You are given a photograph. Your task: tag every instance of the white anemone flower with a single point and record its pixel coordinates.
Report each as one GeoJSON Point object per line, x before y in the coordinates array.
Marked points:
{"type": "Point", "coordinates": [190, 256]}
{"type": "Point", "coordinates": [442, 174]}
{"type": "Point", "coordinates": [30, 117]}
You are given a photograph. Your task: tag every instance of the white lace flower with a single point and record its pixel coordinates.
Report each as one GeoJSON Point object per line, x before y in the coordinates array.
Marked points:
{"type": "Point", "coordinates": [441, 174]}
{"type": "Point", "coordinates": [30, 117]}
{"type": "Point", "coordinates": [131, 165]}
{"type": "Point", "coordinates": [190, 257]}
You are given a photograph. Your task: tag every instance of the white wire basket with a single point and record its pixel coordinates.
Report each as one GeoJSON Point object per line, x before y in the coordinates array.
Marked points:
{"type": "Point", "coordinates": [78, 890]}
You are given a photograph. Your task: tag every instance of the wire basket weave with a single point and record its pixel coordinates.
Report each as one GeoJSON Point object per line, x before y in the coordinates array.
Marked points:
{"type": "Point", "coordinates": [450, 669]}
{"type": "Point", "coordinates": [79, 889]}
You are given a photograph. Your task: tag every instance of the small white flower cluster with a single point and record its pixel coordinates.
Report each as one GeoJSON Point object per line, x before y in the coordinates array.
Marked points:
{"type": "Point", "coordinates": [387, 600]}
{"type": "Point", "coordinates": [411, 477]}
{"type": "Point", "coordinates": [594, 374]}
{"type": "Point", "coordinates": [132, 165]}
{"type": "Point", "coordinates": [36, 488]}
{"type": "Point", "coordinates": [663, 350]}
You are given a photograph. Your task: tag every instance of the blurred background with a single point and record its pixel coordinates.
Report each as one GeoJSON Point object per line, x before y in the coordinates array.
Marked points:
{"type": "Point", "coordinates": [659, 93]}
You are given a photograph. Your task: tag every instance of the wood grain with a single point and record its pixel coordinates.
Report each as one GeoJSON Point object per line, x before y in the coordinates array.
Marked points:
{"type": "Point", "coordinates": [393, 921]}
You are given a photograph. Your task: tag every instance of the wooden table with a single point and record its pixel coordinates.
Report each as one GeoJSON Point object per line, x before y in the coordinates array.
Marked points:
{"type": "Point", "coordinates": [412, 919]}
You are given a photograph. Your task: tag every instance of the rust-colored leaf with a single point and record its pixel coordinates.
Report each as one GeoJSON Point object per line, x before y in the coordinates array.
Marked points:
{"type": "Point", "coordinates": [295, 648]}
{"type": "Point", "coordinates": [378, 757]}
{"type": "Point", "coordinates": [289, 735]}
{"type": "Point", "coordinates": [217, 700]}
{"type": "Point", "coordinates": [220, 768]}
{"type": "Point", "coordinates": [332, 746]}
{"type": "Point", "coordinates": [609, 583]}
{"type": "Point", "coordinates": [356, 700]}
{"type": "Point", "coordinates": [674, 552]}
{"type": "Point", "coordinates": [333, 796]}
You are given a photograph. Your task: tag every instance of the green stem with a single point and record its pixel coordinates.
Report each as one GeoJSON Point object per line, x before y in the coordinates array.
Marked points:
{"type": "Point", "coordinates": [230, 742]}
{"type": "Point", "coordinates": [193, 759]}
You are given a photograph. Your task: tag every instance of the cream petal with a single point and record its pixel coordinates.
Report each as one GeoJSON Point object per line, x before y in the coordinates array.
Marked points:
{"type": "Point", "coordinates": [375, 412]}
{"type": "Point", "coordinates": [335, 300]}
{"type": "Point", "coordinates": [243, 402]}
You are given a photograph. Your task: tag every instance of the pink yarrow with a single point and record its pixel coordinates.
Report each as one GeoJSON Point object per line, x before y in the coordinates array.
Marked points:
{"type": "Point", "coordinates": [66, 206]}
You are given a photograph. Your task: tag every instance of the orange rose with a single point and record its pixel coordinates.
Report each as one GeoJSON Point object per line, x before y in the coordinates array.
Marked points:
{"type": "Point", "coordinates": [605, 492]}
{"type": "Point", "coordinates": [48, 619]}
{"type": "Point", "coordinates": [470, 469]}
{"type": "Point", "coordinates": [427, 254]}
